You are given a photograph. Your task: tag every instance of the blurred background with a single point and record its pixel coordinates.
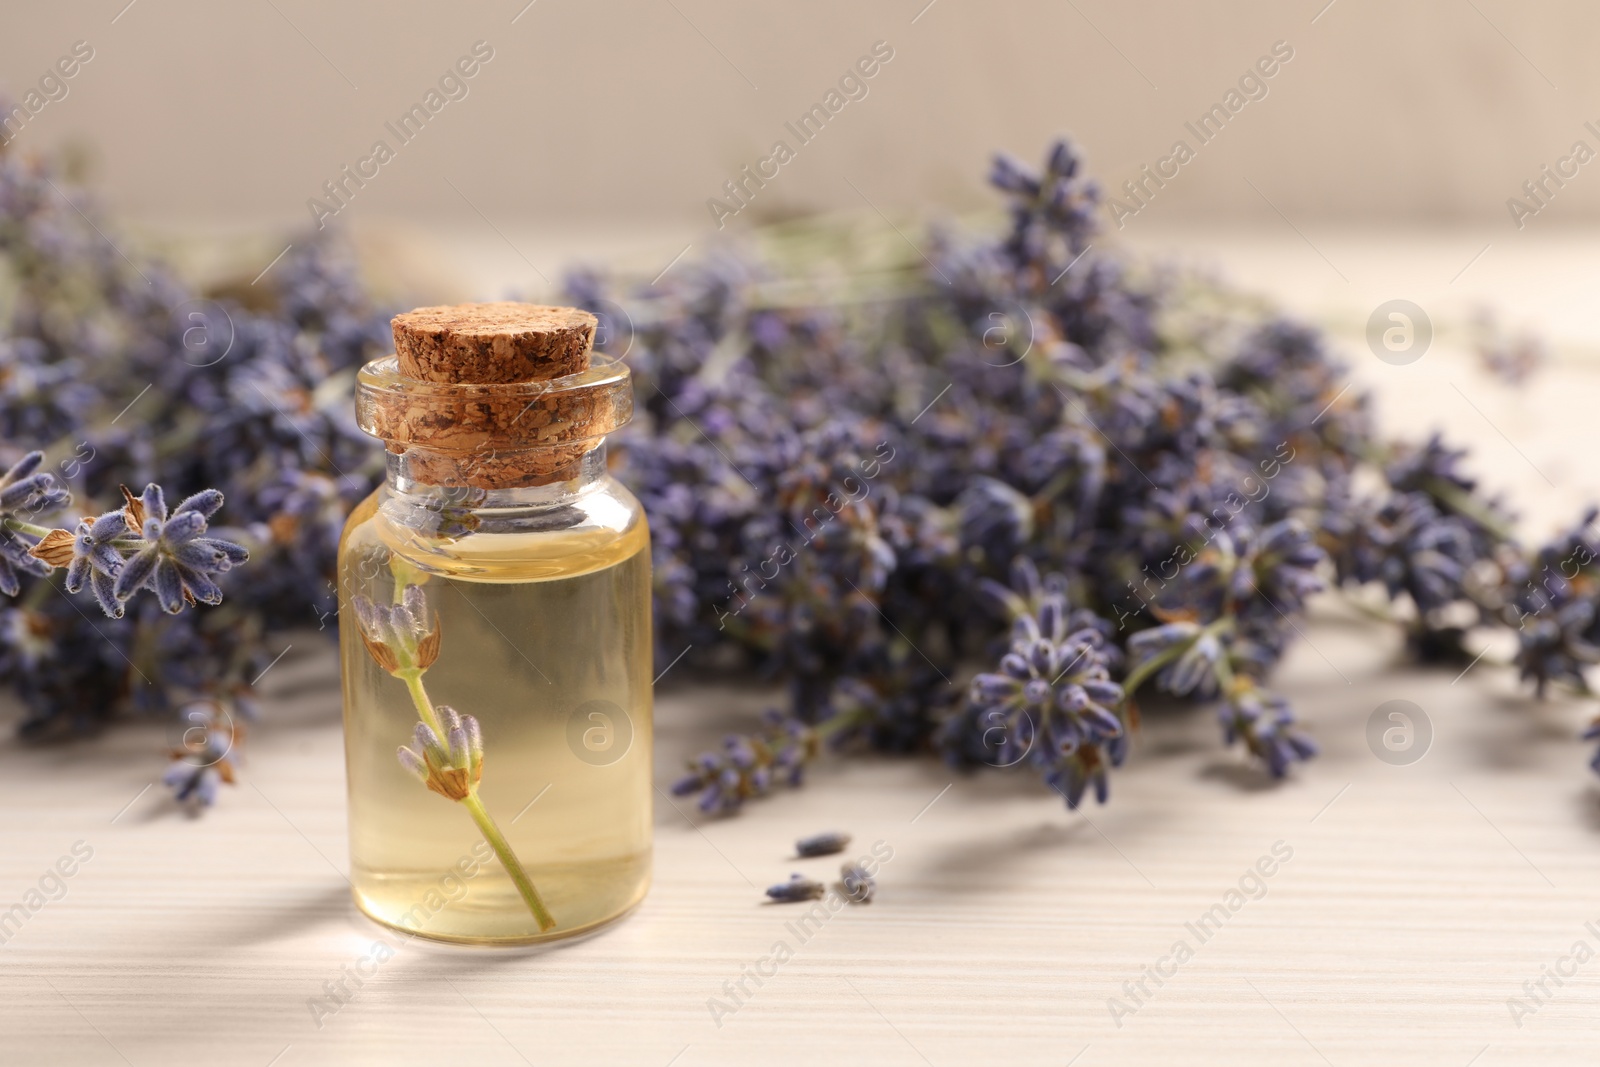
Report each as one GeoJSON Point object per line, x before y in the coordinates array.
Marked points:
{"type": "Point", "coordinates": [1376, 162]}
{"type": "Point", "coordinates": [636, 111]}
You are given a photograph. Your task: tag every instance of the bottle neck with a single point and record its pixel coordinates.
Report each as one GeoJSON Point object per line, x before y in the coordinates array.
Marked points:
{"type": "Point", "coordinates": [412, 497]}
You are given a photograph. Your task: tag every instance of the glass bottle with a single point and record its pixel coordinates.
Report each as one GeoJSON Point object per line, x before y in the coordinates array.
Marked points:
{"type": "Point", "coordinates": [496, 651]}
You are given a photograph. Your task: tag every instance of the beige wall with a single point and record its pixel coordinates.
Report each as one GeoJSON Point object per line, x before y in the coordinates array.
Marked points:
{"type": "Point", "coordinates": [621, 110]}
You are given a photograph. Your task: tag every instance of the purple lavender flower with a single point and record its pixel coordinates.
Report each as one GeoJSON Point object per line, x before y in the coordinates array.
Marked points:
{"type": "Point", "coordinates": [205, 761]}
{"type": "Point", "coordinates": [1430, 468]}
{"type": "Point", "coordinates": [194, 785]}
{"type": "Point", "coordinates": [25, 490]}
{"type": "Point", "coordinates": [1555, 644]}
{"type": "Point", "coordinates": [1412, 549]}
{"type": "Point", "coordinates": [176, 560]}
{"type": "Point", "coordinates": [825, 844]}
{"type": "Point", "coordinates": [1265, 723]}
{"type": "Point", "coordinates": [1052, 702]}
{"type": "Point", "coordinates": [452, 765]}
{"type": "Point", "coordinates": [1550, 599]}
{"type": "Point", "coordinates": [402, 635]}
{"type": "Point", "coordinates": [996, 519]}
{"type": "Point", "coordinates": [797, 889]}
{"type": "Point", "coordinates": [750, 765]}
{"type": "Point", "coordinates": [891, 701]}
{"type": "Point", "coordinates": [95, 559]}
{"type": "Point", "coordinates": [1086, 768]}
{"type": "Point", "coordinates": [856, 885]}
{"type": "Point", "coordinates": [1189, 651]}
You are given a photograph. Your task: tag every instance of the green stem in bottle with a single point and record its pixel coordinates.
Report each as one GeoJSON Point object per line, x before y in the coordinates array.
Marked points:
{"type": "Point", "coordinates": [412, 677]}
{"type": "Point", "coordinates": [508, 859]}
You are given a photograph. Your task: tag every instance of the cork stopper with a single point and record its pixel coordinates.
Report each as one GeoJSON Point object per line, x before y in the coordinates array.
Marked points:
{"type": "Point", "coordinates": [490, 343]}
{"type": "Point", "coordinates": [493, 396]}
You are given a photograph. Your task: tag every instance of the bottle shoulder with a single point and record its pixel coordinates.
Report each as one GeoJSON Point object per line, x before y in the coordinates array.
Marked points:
{"type": "Point", "coordinates": [598, 528]}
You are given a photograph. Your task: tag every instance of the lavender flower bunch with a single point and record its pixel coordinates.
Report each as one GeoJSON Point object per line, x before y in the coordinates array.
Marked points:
{"type": "Point", "coordinates": [138, 546]}
{"type": "Point", "coordinates": [871, 471]}
{"type": "Point", "coordinates": [114, 371]}
{"type": "Point", "coordinates": [1028, 414]}
{"type": "Point", "coordinates": [839, 479]}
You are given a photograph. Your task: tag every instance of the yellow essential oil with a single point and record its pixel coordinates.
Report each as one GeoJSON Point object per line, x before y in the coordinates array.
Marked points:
{"type": "Point", "coordinates": [500, 597]}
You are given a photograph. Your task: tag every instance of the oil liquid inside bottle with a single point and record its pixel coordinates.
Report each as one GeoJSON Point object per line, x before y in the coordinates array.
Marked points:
{"type": "Point", "coordinates": [545, 638]}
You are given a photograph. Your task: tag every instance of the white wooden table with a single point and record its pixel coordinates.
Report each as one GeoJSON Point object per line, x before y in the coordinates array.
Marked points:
{"type": "Point", "coordinates": [1417, 901]}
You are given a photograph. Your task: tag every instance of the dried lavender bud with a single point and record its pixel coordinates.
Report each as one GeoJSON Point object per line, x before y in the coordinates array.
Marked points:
{"type": "Point", "coordinates": [856, 885]}
{"type": "Point", "coordinates": [451, 766]}
{"type": "Point", "coordinates": [822, 844]}
{"type": "Point", "coordinates": [429, 745]}
{"type": "Point", "coordinates": [198, 770]}
{"type": "Point", "coordinates": [474, 741]}
{"type": "Point", "coordinates": [399, 636]}
{"type": "Point", "coordinates": [193, 785]}
{"type": "Point", "coordinates": [413, 763]}
{"type": "Point", "coordinates": [796, 889]}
